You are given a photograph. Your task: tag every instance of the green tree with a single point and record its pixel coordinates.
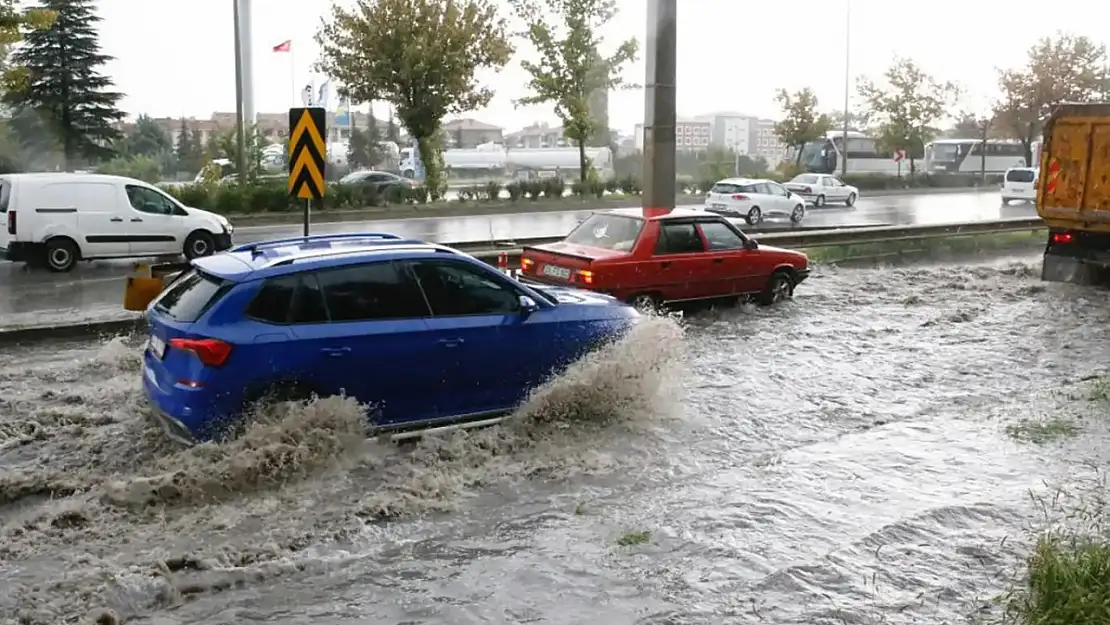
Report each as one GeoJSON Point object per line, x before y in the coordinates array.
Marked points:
{"type": "Point", "coordinates": [907, 107]}
{"type": "Point", "coordinates": [1064, 68]}
{"type": "Point", "coordinates": [189, 152]}
{"type": "Point", "coordinates": [225, 144]}
{"type": "Point", "coordinates": [362, 149]}
{"type": "Point", "coordinates": [66, 101]}
{"type": "Point", "coordinates": [801, 123]}
{"type": "Point", "coordinates": [146, 138]}
{"type": "Point", "coordinates": [571, 68]}
{"type": "Point", "coordinates": [15, 21]}
{"type": "Point", "coordinates": [421, 56]}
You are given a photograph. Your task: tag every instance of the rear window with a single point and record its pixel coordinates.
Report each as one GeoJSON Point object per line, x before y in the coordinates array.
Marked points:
{"type": "Point", "coordinates": [729, 189]}
{"type": "Point", "coordinates": [806, 179]}
{"type": "Point", "coordinates": [190, 296]}
{"type": "Point", "coordinates": [610, 232]}
{"type": "Point", "coordinates": [1020, 175]}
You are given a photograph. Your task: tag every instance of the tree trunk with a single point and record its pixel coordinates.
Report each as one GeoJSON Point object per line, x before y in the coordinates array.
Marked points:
{"type": "Point", "coordinates": [583, 166]}
{"type": "Point", "coordinates": [798, 157]}
{"type": "Point", "coordinates": [433, 172]}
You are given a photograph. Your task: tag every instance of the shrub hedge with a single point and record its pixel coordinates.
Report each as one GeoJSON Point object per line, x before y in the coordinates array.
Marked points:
{"type": "Point", "coordinates": [274, 197]}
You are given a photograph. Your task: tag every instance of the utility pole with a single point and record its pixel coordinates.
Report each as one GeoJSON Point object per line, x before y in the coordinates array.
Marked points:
{"type": "Point", "coordinates": [240, 135]}
{"type": "Point", "coordinates": [847, 86]}
{"type": "Point", "coordinates": [659, 105]}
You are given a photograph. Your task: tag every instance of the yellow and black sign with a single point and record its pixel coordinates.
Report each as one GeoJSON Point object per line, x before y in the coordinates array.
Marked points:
{"type": "Point", "coordinates": [307, 152]}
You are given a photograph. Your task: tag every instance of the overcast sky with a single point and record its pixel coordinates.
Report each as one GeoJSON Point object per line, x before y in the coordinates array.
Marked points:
{"type": "Point", "coordinates": [176, 57]}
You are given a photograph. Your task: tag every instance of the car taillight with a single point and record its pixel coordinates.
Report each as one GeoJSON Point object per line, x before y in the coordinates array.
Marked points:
{"type": "Point", "coordinates": [738, 196]}
{"type": "Point", "coordinates": [1059, 238]}
{"type": "Point", "coordinates": [526, 263]}
{"type": "Point", "coordinates": [11, 223]}
{"type": "Point", "coordinates": [807, 190]}
{"type": "Point", "coordinates": [586, 277]}
{"type": "Point", "coordinates": [211, 352]}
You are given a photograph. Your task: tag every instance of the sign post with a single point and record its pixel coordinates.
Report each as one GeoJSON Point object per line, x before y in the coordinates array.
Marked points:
{"type": "Point", "coordinates": [899, 156]}
{"type": "Point", "coordinates": [307, 156]}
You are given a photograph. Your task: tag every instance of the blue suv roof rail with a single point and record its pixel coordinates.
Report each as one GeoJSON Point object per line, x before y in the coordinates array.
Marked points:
{"type": "Point", "coordinates": [349, 236]}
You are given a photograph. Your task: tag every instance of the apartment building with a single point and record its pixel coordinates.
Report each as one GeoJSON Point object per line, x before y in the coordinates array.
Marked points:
{"type": "Point", "coordinates": [765, 143]}
{"type": "Point", "coordinates": [690, 136]}
{"type": "Point", "coordinates": [470, 133]}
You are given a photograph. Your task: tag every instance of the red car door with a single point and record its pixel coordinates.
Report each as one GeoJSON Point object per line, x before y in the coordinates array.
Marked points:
{"type": "Point", "coordinates": [735, 268]}
{"type": "Point", "coordinates": [680, 267]}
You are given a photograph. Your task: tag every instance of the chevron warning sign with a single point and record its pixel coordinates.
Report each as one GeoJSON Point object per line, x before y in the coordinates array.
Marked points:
{"type": "Point", "coordinates": [307, 152]}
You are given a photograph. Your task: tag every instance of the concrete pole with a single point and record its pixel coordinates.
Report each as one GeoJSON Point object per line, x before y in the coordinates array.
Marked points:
{"type": "Point", "coordinates": [250, 114]}
{"type": "Point", "coordinates": [659, 105]}
{"type": "Point", "coordinates": [240, 134]}
{"type": "Point", "coordinates": [847, 87]}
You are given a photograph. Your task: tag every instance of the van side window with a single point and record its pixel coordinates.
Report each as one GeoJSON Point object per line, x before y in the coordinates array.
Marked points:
{"type": "Point", "coordinates": [149, 201]}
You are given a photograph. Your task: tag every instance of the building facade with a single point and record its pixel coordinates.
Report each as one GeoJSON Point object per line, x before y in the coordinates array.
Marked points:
{"type": "Point", "coordinates": [689, 136]}
{"type": "Point", "coordinates": [766, 143]}
{"type": "Point", "coordinates": [469, 133]}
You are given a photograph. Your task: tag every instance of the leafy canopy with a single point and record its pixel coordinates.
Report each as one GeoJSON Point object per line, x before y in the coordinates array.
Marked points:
{"type": "Point", "coordinates": [801, 123]}
{"type": "Point", "coordinates": [421, 56]}
{"type": "Point", "coordinates": [571, 67]}
{"type": "Point", "coordinates": [1064, 68]}
{"type": "Point", "coordinates": [907, 105]}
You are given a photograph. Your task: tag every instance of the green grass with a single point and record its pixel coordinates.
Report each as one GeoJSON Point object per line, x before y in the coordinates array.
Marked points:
{"type": "Point", "coordinates": [938, 247]}
{"type": "Point", "coordinates": [634, 538]}
{"type": "Point", "coordinates": [1042, 431]}
{"type": "Point", "coordinates": [1068, 582]}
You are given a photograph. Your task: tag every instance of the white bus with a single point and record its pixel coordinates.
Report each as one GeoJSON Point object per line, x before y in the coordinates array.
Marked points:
{"type": "Point", "coordinates": [864, 155]}
{"type": "Point", "coordinates": [965, 156]}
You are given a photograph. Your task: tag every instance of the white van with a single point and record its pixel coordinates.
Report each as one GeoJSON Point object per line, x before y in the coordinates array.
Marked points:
{"type": "Point", "coordinates": [1019, 183]}
{"type": "Point", "coordinates": [56, 219]}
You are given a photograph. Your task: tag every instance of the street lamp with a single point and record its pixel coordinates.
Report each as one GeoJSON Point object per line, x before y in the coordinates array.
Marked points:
{"type": "Point", "coordinates": [847, 86]}
{"type": "Point", "coordinates": [240, 136]}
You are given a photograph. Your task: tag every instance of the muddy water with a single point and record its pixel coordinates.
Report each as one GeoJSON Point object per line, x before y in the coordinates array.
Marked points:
{"type": "Point", "coordinates": [842, 458]}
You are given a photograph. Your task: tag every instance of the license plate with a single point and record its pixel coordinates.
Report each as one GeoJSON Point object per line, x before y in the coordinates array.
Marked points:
{"type": "Point", "coordinates": [720, 207]}
{"type": "Point", "coordinates": [156, 346]}
{"type": "Point", "coordinates": [556, 272]}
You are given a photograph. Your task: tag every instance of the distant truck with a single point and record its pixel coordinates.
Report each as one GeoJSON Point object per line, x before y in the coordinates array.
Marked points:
{"type": "Point", "coordinates": [1073, 194]}
{"type": "Point", "coordinates": [493, 159]}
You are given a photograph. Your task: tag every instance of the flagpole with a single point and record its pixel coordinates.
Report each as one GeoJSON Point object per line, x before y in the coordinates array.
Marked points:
{"type": "Point", "coordinates": [292, 76]}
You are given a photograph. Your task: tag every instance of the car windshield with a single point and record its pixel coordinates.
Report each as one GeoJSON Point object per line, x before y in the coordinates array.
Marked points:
{"type": "Point", "coordinates": [805, 179]}
{"type": "Point", "coordinates": [945, 152]}
{"type": "Point", "coordinates": [607, 231]}
{"type": "Point", "coordinates": [354, 177]}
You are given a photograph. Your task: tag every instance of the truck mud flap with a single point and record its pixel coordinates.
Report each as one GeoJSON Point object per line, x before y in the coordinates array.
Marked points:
{"type": "Point", "coordinates": [1072, 270]}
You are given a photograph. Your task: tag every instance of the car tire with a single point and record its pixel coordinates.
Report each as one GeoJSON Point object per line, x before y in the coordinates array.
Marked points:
{"type": "Point", "coordinates": [779, 288]}
{"type": "Point", "coordinates": [646, 302]}
{"type": "Point", "coordinates": [754, 216]}
{"type": "Point", "coordinates": [819, 201]}
{"type": "Point", "coordinates": [199, 244]}
{"type": "Point", "coordinates": [851, 200]}
{"type": "Point", "coordinates": [61, 254]}
{"type": "Point", "coordinates": [798, 214]}
{"type": "Point", "coordinates": [1006, 200]}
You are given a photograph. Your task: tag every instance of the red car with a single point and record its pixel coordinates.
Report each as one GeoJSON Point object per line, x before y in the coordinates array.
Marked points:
{"type": "Point", "coordinates": [680, 256]}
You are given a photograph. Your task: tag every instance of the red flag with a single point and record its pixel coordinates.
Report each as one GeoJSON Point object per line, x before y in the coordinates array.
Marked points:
{"type": "Point", "coordinates": [285, 46]}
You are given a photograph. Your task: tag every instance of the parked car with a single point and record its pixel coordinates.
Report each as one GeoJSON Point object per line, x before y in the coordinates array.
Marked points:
{"type": "Point", "coordinates": [57, 219]}
{"type": "Point", "coordinates": [754, 199]}
{"type": "Point", "coordinates": [821, 189]}
{"type": "Point", "coordinates": [426, 335]}
{"type": "Point", "coordinates": [682, 256]}
{"type": "Point", "coordinates": [1019, 183]}
{"type": "Point", "coordinates": [380, 181]}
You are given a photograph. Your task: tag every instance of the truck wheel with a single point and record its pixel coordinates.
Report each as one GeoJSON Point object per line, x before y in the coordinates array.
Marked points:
{"type": "Point", "coordinates": [754, 216]}
{"type": "Point", "coordinates": [61, 254]}
{"type": "Point", "coordinates": [779, 288]}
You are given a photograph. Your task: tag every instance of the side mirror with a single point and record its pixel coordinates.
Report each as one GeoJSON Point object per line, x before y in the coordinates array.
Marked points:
{"type": "Point", "coordinates": [528, 305]}
{"type": "Point", "coordinates": [751, 244]}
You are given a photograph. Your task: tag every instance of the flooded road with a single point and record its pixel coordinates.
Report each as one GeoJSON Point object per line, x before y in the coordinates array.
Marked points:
{"type": "Point", "coordinates": [841, 458]}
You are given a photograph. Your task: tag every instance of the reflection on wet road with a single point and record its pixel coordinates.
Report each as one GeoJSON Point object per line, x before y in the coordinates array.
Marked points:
{"type": "Point", "coordinates": [94, 290]}
{"type": "Point", "coordinates": [746, 474]}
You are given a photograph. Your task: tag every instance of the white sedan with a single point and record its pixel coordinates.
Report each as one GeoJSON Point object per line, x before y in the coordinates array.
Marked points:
{"type": "Point", "coordinates": [754, 199]}
{"type": "Point", "coordinates": [822, 189]}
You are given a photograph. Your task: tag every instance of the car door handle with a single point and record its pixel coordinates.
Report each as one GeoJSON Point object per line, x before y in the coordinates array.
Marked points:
{"type": "Point", "coordinates": [450, 342]}
{"type": "Point", "coordinates": [115, 219]}
{"type": "Point", "coordinates": [665, 264]}
{"type": "Point", "coordinates": [718, 260]}
{"type": "Point", "coordinates": [135, 219]}
{"type": "Point", "coordinates": [335, 352]}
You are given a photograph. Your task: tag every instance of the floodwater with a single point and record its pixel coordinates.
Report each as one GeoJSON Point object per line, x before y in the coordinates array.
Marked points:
{"type": "Point", "coordinates": [842, 458]}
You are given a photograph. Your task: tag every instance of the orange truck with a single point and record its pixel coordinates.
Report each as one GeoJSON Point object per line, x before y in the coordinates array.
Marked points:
{"type": "Point", "coordinates": [1073, 194]}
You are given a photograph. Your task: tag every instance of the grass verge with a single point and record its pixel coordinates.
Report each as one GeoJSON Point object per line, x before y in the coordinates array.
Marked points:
{"type": "Point", "coordinates": [894, 251]}
{"type": "Point", "coordinates": [1042, 431]}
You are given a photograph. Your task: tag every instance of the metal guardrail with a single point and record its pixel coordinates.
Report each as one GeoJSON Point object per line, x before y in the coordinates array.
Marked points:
{"type": "Point", "coordinates": [842, 236]}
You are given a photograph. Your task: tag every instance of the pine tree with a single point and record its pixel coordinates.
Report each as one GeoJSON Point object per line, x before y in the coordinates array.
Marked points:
{"type": "Point", "coordinates": [67, 103]}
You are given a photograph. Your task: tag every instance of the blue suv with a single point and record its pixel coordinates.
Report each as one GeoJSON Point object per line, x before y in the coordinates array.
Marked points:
{"type": "Point", "coordinates": [424, 334]}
